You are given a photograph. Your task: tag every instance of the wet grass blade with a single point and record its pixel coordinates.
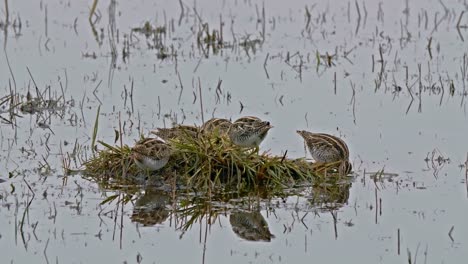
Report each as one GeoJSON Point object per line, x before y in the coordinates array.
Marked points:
{"type": "Point", "coordinates": [95, 130]}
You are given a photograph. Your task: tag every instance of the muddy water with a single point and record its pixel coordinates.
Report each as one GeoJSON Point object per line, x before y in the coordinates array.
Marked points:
{"type": "Point", "coordinates": [395, 118]}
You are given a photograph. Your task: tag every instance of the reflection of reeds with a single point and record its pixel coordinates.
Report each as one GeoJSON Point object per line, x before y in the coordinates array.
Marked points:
{"type": "Point", "coordinates": [195, 210]}
{"type": "Point", "coordinates": [157, 34]}
{"type": "Point", "coordinates": [43, 106]}
{"type": "Point", "coordinates": [192, 208]}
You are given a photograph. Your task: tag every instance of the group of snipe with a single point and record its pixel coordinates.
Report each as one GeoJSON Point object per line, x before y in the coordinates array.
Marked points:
{"type": "Point", "coordinates": [249, 131]}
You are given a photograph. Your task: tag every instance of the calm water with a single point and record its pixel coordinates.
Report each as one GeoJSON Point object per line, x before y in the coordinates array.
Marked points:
{"type": "Point", "coordinates": [419, 143]}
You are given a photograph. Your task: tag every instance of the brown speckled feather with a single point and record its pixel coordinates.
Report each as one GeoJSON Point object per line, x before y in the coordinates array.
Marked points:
{"type": "Point", "coordinates": [249, 120]}
{"type": "Point", "coordinates": [345, 167]}
{"type": "Point", "coordinates": [152, 147]}
{"type": "Point", "coordinates": [249, 131]}
{"type": "Point", "coordinates": [176, 132]}
{"type": "Point", "coordinates": [220, 124]}
{"type": "Point", "coordinates": [325, 147]}
{"type": "Point", "coordinates": [151, 153]}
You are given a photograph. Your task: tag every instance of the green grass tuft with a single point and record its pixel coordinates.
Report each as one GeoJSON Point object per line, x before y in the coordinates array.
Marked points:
{"type": "Point", "coordinates": [209, 164]}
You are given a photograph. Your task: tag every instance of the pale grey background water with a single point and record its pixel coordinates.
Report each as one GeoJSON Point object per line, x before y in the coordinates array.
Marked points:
{"type": "Point", "coordinates": [422, 206]}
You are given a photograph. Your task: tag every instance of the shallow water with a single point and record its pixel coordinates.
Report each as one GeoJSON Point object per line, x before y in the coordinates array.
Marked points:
{"type": "Point", "coordinates": [420, 145]}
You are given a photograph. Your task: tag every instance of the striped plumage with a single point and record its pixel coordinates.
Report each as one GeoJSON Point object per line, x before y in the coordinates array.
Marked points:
{"type": "Point", "coordinates": [221, 125]}
{"type": "Point", "coordinates": [176, 132]}
{"type": "Point", "coordinates": [249, 131]}
{"type": "Point", "coordinates": [250, 120]}
{"type": "Point", "coordinates": [250, 226]}
{"type": "Point", "coordinates": [151, 153]}
{"type": "Point", "coordinates": [345, 167]}
{"type": "Point", "coordinates": [326, 148]}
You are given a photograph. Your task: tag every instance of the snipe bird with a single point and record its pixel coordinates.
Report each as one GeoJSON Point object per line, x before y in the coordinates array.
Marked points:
{"type": "Point", "coordinates": [221, 125]}
{"type": "Point", "coordinates": [249, 131]}
{"type": "Point", "coordinates": [326, 148]}
{"type": "Point", "coordinates": [177, 131]}
{"type": "Point", "coordinates": [151, 154]}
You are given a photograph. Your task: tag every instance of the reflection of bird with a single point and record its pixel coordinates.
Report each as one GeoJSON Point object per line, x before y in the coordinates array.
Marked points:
{"type": "Point", "coordinates": [326, 148]}
{"type": "Point", "coordinates": [176, 132]}
{"type": "Point", "coordinates": [249, 131]}
{"type": "Point", "coordinates": [220, 125]}
{"type": "Point", "coordinates": [250, 226]}
{"type": "Point", "coordinates": [150, 208]}
{"type": "Point", "coordinates": [330, 196]}
{"type": "Point", "coordinates": [151, 153]}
